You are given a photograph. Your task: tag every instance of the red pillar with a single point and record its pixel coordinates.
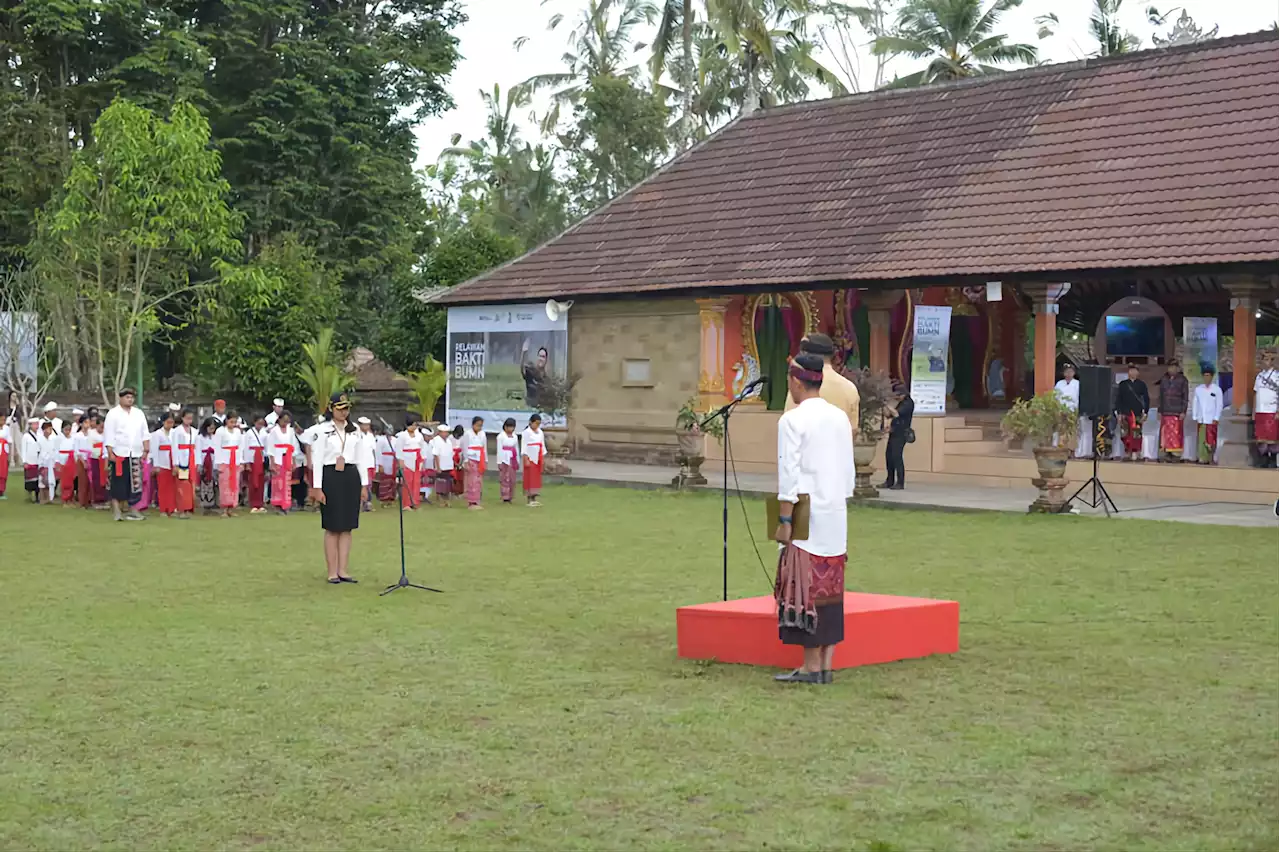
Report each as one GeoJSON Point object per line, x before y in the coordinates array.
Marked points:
{"type": "Point", "coordinates": [879, 303]}
{"type": "Point", "coordinates": [1044, 299]}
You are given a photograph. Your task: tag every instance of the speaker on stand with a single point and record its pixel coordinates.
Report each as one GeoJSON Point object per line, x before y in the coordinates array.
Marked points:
{"type": "Point", "coordinates": [1096, 388]}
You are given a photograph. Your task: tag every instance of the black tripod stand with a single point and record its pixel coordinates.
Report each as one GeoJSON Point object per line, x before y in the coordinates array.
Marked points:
{"type": "Point", "coordinates": [1100, 495]}
{"type": "Point", "coordinates": [724, 411]}
{"type": "Point", "coordinates": [403, 582]}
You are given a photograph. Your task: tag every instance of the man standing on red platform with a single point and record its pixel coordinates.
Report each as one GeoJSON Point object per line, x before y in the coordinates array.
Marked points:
{"type": "Point", "coordinates": [815, 459]}
{"type": "Point", "coordinates": [1175, 394]}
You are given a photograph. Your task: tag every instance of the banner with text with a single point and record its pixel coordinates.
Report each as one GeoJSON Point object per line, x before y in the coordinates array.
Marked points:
{"type": "Point", "coordinates": [1200, 345]}
{"type": "Point", "coordinates": [929, 353]}
{"type": "Point", "coordinates": [498, 360]}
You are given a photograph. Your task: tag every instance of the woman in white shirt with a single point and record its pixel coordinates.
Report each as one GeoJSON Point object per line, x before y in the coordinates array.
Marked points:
{"type": "Point", "coordinates": [340, 482]}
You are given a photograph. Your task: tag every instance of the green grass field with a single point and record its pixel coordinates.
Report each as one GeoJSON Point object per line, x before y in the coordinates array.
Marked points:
{"type": "Point", "coordinates": [198, 686]}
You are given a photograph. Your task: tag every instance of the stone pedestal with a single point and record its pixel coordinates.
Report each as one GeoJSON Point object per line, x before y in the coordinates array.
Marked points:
{"type": "Point", "coordinates": [864, 456]}
{"type": "Point", "coordinates": [1234, 434]}
{"type": "Point", "coordinates": [1051, 501]}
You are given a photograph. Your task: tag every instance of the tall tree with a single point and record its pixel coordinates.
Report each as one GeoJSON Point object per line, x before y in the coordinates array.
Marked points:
{"type": "Point", "coordinates": [616, 141]}
{"type": "Point", "coordinates": [958, 37]}
{"type": "Point", "coordinates": [677, 14]}
{"type": "Point", "coordinates": [1104, 26]}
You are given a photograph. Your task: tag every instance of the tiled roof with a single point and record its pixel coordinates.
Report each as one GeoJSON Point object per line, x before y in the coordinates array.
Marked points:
{"type": "Point", "coordinates": [1162, 158]}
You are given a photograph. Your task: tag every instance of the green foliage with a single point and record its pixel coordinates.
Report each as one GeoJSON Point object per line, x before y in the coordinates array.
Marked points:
{"type": "Point", "coordinates": [875, 393]}
{"type": "Point", "coordinates": [1040, 418]}
{"type": "Point", "coordinates": [958, 37]}
{"type": "Point", "coordinates": [414, 329]}
{"type": "Point", "coordinates": [427, 385]}
{"type": "Point", "coordinates": [141, 226]}
{"type": "Point", "coordinates": [617, 139]}
{"type": "Point", "coordinates": [252, 340]}
{"type": "Point", "coordinates": [689, 418]}
{"type": "Point", "coordinates": [321, 370]}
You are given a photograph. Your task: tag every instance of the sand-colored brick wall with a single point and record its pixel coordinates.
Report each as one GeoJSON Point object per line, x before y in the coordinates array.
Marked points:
{"type": "Point", "coordinates": [611, 420]}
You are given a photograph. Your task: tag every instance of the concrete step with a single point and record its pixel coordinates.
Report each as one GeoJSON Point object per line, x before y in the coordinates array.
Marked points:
{"type": "Point", "coordinates": [996, 449]}
{"type": "Point", "coordinates": [964, 433]}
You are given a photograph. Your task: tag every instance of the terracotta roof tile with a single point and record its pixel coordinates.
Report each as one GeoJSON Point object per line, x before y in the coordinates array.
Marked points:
{"type": "Point", "coordinates": [1160, 158]}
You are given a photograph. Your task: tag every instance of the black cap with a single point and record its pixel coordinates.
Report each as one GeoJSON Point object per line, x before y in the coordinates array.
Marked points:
{"type": "Point", "coordinates": [818, 344]}
{"type": "Point", "coordinates": [339, 400]}
{"type": "Point", "coordinates": [127, 392]}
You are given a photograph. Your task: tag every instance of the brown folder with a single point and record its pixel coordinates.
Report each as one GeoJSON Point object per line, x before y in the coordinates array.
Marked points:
{"type": "Point", "coordinates": [799, 518]}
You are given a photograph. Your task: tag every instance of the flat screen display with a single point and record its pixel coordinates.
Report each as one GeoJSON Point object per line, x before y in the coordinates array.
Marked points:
{"type": "Point", "coordinates": [1135, 336]}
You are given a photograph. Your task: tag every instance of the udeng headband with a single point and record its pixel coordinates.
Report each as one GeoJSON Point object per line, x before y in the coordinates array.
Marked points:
{"type": "Point", "coordinates": [805, 375]}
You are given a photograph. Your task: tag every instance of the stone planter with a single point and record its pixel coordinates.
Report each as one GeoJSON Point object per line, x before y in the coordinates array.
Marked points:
{"type": "Point", "coordinates": [1051, 464]}
{"type": "Point", "coordinates": [864, 465]}
{"type": "Point", "coordinates": [691, 453]}
{"type": "Point", "coordinates": [557, 461]}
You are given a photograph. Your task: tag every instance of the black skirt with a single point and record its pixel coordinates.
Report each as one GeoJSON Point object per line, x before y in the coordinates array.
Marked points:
{"type": "Point", "coordinates": [830, 628]}
{"type": "Point", "coordinates": [340, 511]}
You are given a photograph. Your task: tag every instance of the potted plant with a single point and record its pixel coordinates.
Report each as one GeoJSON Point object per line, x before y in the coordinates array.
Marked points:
{"type": "Point", "coordinates": [875, 393]}
{"type": "Point", "coordinates": [691, 442]}
{"type": "Point", "coordinates": [555, 400]}
{"type": "Point", "coordinates": [1050, 424]}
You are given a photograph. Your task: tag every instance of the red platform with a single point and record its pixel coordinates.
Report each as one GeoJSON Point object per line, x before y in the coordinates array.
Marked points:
{"type": "Point", "coordinates": [877, 629]}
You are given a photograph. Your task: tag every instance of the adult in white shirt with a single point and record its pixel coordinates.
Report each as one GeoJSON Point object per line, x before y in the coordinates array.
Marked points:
{"type": "Point", "coordinates": [219, 414]}
{"type": "Point", "coordinates": [340, 482]}
{"type": "Point", "coordinates": [1068, 390]}
{"type": "Point", "coordinates": [1266, 395]}
{"type": "Point", "coordinates": [127, 441]}
{"type": "Point", "coordinates": [51, 416]}
{"type": "Point", "coordinates": [1206, 410]}
{"type": "Point", "coordinates": [277, 408]}
{"type": "Point", "coordinates": [815, 458]}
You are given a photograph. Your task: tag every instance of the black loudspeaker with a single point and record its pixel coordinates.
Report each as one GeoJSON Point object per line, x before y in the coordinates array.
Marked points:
{"type": "Point", "coordinates": [1095, 390]}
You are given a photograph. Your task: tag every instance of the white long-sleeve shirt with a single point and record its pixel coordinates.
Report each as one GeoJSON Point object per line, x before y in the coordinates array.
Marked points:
{"type": "Point", "coordinates": [474, 445]}
{"type": "Point", "coordinates": [1069, 392]}
{"type": "Point", "coordinates": [162, 449]}
{"type": "Point", "coordinates": [126, 433]}
{"type": "Point", "coordinates": [66, 450]}
{"type": "Point", "coordinates": [442, 450]}
{"type": "Point", "coordinates": [1266, 397]}
{"type": "Point", "coordinates": [31, 445]}
{"type": "Point", "coordinates": [180, 437]}
{"type": "Point", "coordinates": [49, 450]}
{"type": "Point", "coordinates": [1206, 404]}
{"type": "Point", "coordinates": [412, 450]}
{"type": "Point", "coordinates": [815, 457]}
{"type": "Point", "coordinates": [370, 448]}
{"type": "Point", "coordinates": [252, 442]}
{"type": "Point", "coordinates": [328, 444]}
{"type": "Point", "coordinates": [279, 442]}
{"type": "Point", "coordinates": [385, 454]}
{"type": "Point", "coordinates": [508, 449]}
{"type": "Point", "coordinates": [224, 441]}
{"type": "Point", "coordinates": [533, 445]}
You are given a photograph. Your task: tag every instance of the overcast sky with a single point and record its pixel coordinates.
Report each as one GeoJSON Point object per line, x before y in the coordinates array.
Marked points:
{"type": "Point", "coordinates": [488, 56]}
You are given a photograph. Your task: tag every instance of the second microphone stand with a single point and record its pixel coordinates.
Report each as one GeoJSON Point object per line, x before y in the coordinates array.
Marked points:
{"type": "Point", "coordinates": [724, 411]}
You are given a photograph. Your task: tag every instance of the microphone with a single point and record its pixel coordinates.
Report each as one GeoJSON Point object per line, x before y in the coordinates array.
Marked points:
{"type": "Point", "coordinates": [763, 380]}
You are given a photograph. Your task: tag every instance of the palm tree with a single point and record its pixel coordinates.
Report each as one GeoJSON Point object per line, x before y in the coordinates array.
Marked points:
{"type": "Point", "coordinates": [599, 45]}
{"type": "Point", "coordinates": [956, 36]}
{"type": "Point", "coordinates": [427, 385]}
{"type": "Point", "coordinates": [320, 370]}
{"type": "Point", "coordinates": [1106, 30]}
{"type": "Point", "coordinates": [677, 13]}
{"type": "Point", "coordinates": [762, 53]}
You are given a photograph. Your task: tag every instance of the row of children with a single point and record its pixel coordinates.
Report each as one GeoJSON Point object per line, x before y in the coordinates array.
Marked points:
{"type": "Point", "coordinates": [222, 466]}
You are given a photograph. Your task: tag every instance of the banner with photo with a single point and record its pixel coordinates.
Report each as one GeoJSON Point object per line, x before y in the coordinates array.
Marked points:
{"type": "Point", "coordinates": [498, 360]}
{"type": "Point", "coordinates": [1200, 347]}
{"type": "Point", "coordinates": [929, 353]}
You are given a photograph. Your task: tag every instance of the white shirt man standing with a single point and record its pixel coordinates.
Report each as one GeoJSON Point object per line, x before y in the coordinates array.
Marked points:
{"type": "Point", "coordinates": [277, 408]}
{"type": "Point", "coordinates": [815, 458]}
{"type": "Point", "coordinates": [127, 440]}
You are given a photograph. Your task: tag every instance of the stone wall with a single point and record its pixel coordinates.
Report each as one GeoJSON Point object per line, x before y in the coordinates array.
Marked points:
{"type": "Point", "coordinates": [621, 417]}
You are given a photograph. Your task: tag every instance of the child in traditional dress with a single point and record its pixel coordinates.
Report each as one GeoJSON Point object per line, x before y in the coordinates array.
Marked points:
{"type": "Point", "coordinates": [255, 456]}
{"type": "Point", "coordinates": [282, 449]}
{"type": "Point", "coordinates": [534, 450]}
{"type": "Point", "coordinates": [442, 451]}
{"type": "Point", "coordinates": [369, 443]}
{"type": "Point", "coordinates": [80, 443]}
{"type": "Point", "coordinates": [32, 443]}
{"type": "Point", "coordinates": [474, 452]}
{"type": "Point", "coordinates": [161, 453]}
{"type": "Point", "coordinates": [183, 464]}
{"type": "Point", "coordinates": [410, 447]}
{"type": "Point", "coordinates": [65, 465]}
{"type": "Point", "coordinates": [147, 470]}
{"type": "Point", "coordinates": [229, 459]}
{"type": "Point", "coordinates": [508, 449]}
{"type": "Point", "coordinates": [459, 469]}
{"type": "Point", "coordinates": [385, 454]}
{"type": "Point", "coordinates": [300, 467]}
{"type": "Point", "coordinates": [4, 452]}
{"type": "Point", "coordinates": [97, 460]}
{"type": "Point", "coordinates": [206, 454]}
{"type": "Point", "coordinates": [48, 460]}
{"type": "Point", "coordinates": [1206, 409]}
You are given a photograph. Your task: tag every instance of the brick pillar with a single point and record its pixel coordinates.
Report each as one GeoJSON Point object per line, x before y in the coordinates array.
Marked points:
{"type": "Point", "coordinates": [879, 304]}
{"type": "Point", "coordinates": [711, 313]}
{"type": "Point", "coordinates": [1044, 298]}
{"type": "Point", "coordinates": [1246, 296]}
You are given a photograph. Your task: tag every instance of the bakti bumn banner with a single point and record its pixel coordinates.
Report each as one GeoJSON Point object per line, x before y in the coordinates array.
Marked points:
{"type": "Point", "coordinates": [498, 358]}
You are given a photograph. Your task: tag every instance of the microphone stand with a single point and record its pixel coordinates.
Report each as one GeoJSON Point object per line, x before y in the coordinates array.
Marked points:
{"type": "Point", "coordinates": [403, 582]}
{"type": "Point", "coordinates": [725, 411]}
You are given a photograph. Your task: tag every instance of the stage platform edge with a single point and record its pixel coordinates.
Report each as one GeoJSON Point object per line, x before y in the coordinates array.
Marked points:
{"type": "Point", "coordinates": [877, 629]}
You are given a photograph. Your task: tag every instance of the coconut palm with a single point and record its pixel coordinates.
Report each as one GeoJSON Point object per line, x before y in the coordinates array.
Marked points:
{"type": "Point", "coordinates": [677, 13]}
{"type": "Point", "coordinates": [427, 385]}
{"type": "Point", "coordinates": [957, 37]}
{"type": "Point", "coordinates": [759, 53]}
{"type": "Point", "coordinates": [600, 44]}
{"type": "Point", "coordinates": [1105, 28]}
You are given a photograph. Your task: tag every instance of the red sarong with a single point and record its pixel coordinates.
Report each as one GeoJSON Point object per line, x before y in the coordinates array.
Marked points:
{"type": "Point", "coordinates": [257, 479]}
{"type": "Point", "coordinates": [474, 481]}
{"type": "Point", "coordinates": [184, 490]}
{"type": "Point", "coordinates": [282, 479]}
{"type": "Point", "coordinates": [167, 491]}
{"type": "Point", "coordinates": [1171, 433]}
{"type": "Point", "coordinates": [1264, 427]}
{"type": "Point", "coordinates": [1132, 433]}
{"type": "Point", "coordinates": [4, 464]}
{"type": "Point", "coordinates": [229, 481]}
{"type": "Point", "coordinates": [459, 486]}
{"type": "Point", "coordinates": [83, 488]}
{"type": "Point", "coordinates": [67, 475]}
{"type": "Point", "coordinates": [411, 486]}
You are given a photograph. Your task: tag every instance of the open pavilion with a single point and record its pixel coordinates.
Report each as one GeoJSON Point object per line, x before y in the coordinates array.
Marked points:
{"type": "Point", "coordinates": [1147, 182]}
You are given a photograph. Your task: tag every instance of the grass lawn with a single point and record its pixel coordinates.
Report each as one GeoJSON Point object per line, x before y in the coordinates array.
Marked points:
{"type": "Point", "coordinates": [198, 686]}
